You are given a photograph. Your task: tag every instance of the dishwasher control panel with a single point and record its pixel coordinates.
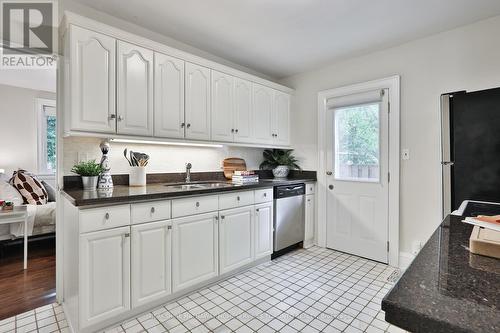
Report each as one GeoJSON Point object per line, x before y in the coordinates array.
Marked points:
{"type": "Point", "coordinates": [286, 191]}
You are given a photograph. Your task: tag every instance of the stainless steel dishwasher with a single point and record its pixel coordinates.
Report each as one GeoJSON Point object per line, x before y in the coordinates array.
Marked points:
{"type": "Point", "coordinates": [289, 218]}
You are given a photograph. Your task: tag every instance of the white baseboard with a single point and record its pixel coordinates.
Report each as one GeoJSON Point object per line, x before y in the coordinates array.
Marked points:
{"type": "Point", "coordinates": [405, 259]}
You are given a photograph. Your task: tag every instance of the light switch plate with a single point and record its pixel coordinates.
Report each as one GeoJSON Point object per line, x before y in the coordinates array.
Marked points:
{"type": "Point", "coordinates": [405, 154]}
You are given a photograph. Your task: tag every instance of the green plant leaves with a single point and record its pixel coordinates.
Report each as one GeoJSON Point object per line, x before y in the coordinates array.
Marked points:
{"type": "Point", "coordinates": [275, 157]}
{"type": "Point", "coordinates": [87, 169]}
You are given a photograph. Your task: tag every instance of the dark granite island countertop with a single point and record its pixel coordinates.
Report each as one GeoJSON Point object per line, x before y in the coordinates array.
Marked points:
{"type": "Point", "coordinates": [446, 288]}
{"type": "Point", "coordinates": [158, 190]}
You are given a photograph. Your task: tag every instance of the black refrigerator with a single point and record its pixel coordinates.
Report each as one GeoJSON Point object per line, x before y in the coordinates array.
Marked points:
{"type": "Point", "coordinates": [470, 147]}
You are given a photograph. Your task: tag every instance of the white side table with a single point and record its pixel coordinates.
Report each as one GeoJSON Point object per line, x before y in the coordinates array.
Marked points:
{"type": "Point", "coordinates": [19, 214]}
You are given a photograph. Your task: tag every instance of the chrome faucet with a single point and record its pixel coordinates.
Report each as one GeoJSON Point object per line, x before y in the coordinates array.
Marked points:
{"type": "Point", "coordinates": [188, 172]}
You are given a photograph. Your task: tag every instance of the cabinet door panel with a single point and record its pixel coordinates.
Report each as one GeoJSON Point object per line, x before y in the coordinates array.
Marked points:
{"type": "Point", "coordinates": [169, 97]}
{"type": "Point", "coordinates": [222, 107]}
{"type": "Point", "coordinates": [197, 102]}
{"type": "Point", "coordinates": [263, 230]}
{"type": "Point", "coordinates": [194, 250]}
{"type": "Point", "coordinates": [309, 223]}
{"type": "Point", "coordinates": [104, 274]}
{"type": "Point", "coordinates": [92, 77]}
{"type": "Point", "coordinates": [281, 125]}
{"type": "Point", "coordinates": [262, 114]}
{"type": "Point", "coordinates": [236, 234]}
{"type": "Point", "coordinates": [243, 112]}
{"type": "Point", "coordinates": [151, 262]}
{"type": "Point", "coordinates": [135, 90]}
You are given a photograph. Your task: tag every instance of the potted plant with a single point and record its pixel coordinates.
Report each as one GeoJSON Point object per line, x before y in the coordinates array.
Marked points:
{"type": "Point", "coordinates": [280, 161]}
{"type": "Point", "coordinates": [90, 172]}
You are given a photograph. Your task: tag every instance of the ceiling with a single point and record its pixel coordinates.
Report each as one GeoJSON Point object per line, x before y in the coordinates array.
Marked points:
{"type": "Point", "coordinates": [284, 37]}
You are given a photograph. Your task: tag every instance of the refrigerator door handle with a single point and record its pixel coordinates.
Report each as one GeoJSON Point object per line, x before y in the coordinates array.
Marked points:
{"type": "Point", "coordinates": [447, 163]}
{"type": "Point", "coordinates": [446, 153]}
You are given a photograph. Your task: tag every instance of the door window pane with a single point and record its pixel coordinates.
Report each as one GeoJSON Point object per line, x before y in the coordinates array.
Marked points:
{"type": "Point", "coordinates": [357, 143]}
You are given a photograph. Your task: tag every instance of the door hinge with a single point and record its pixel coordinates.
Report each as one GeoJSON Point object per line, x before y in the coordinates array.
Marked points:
{"type": "Point", "coordinates": [387, 246]}
{"type": "Point", "coordinates": [388, 177]}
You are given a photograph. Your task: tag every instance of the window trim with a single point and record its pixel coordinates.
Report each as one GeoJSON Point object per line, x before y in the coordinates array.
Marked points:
{"type": "Point", "coordinates": [40, 104]}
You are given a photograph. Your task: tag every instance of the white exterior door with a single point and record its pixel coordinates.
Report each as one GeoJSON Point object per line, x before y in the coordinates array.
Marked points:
{"type": "Point", "coordinates": [281, 123]}
{"type": "Point", "coordinates": [263, 230]}
{"type": "Point", "coordinates": [357, 168]}
{"type": "Point", "coordinates": [135, 90]}
{"type": "Point", "coordinates": [169, 97]}
{"type": "Point", "coordinates": [194, 250]}
{"type": "Point", "coordinates": [151, 262]}
{"type": "Point", "coordinates": [222, 107]}
{"type": "Point", "coordinates": [263, 114]}
{"type": "Point", "coordinates": [243, 112]}
{"type": "Point", "coordinates": [236, 233]}
{"type": "Point", "coordinates": [197, 102]}
{"type": "Point", "coordinates": [92, 75]}
{"type": "Point", "coordinates": [104, 275]}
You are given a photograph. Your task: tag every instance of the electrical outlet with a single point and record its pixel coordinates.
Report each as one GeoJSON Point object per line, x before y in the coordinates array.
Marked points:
{"type": "Point", "coordinates": [405, 154]}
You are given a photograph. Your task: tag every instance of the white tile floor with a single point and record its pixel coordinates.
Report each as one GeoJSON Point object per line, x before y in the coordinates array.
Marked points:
{"type": "Point", "coordinates": [314, 290]}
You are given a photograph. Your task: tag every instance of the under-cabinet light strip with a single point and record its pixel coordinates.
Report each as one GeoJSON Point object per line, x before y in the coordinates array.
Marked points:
{"type": "Point", "coordinates": [167, 143]}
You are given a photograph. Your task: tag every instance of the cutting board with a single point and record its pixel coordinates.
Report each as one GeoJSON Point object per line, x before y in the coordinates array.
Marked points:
{"type": "Point", "coordinates": [232, 164]}
{"type": "Point", "coordinates": [485, 242]}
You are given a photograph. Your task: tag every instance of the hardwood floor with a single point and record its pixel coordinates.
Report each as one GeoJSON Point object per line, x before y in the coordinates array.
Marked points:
{"type": "Point", "coordinates": [23, 290]}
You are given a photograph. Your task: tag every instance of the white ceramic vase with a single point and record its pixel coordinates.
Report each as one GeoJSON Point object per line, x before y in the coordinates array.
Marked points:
{"type": "Point", "coordinates": [281, 171]}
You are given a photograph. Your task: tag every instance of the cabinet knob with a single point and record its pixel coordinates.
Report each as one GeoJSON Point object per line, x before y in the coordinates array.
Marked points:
{"type": "Point", "coordinates": [232, 130]}
{"type": "Point", "coordinates": [106, 216]}
{"type": "Point", "coordinates": [120, 118]}
{"type": "Point", "coordinates": [265, 195]}
{"type": "Point", "coordinates": [329, 173]}
{"type": "Point", "coordinates": [309, 200]}
{"type": "Point", "coordinates": [169, 227]}
{"type": "Point", "coordinates": [330, 187]}
{"type": "Point", "coordinates": [188, 125]}
{"type": "Point", "coordinates": [236, 130]}
{"type": "Point", "coordinates": [216, 218]}
{"type": "Point", "coordinates": [197, 204]}
{"type": "Point", "coordinates": [152, 210]}
{"type": "Point", "coordinates": [126, 235]}
{"type": "Point", "coordinates": [222, 217]}
{"type": "Point", "coordinates": [112, 116]}
{"type": "Point", "coordinates": [257, 209]}
{"type": "Point", "coordinates": [183, 124]}
{"type": "Point", "coordinates": [238, 198]}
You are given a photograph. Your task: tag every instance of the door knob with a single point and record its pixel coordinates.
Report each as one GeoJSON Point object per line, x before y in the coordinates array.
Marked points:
{"type": "Point", "coordinates": [330, 187]}
{"type": "Point", "coordinates": [329, 173]}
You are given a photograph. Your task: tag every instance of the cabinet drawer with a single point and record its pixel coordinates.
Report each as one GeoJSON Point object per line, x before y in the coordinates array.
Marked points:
{"type": "Point", "coordinates": [238, 199]}
{"type": "Point", "coordinates": [104, 218]}
{"type": "Point", "coordinates": [192, 206]}
{"type": "Point", "coordinates": [310, 188]}
{"type": "Point", "coordinates": [264, 195]}
{"type": "Point", "coordinates": [150, 211]}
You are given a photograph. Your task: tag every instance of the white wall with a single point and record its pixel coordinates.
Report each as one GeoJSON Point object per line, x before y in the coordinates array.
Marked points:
{"type": "Point", "coordinates": [162, 158]}
{"type": "Point", "coordinates": [467, 58]}
{"type": "Point", "coordinates": [18, 128]}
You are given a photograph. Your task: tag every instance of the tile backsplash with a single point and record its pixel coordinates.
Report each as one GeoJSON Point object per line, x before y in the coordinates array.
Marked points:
{"type": "Point", "coordinates": [163, 158]}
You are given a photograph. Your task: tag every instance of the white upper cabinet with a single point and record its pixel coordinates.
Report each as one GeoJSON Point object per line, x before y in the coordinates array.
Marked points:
{"type": "Point", "coordinates": [281, 120]}
{"type": "Point", "coordinates": [92, 81]}
{"type": "Point", "coordinates": [263, 117]}
{"type": "Point", "coordinates": [222, 107]}
{"type": "Point", "coordinates": [169, 97]}
{"type": "Point", "coordinates": [243, 112]}
{"type": "Point", "coordinates": [135, 90]}
{"type": "Point", "coordinates": [197, 102]}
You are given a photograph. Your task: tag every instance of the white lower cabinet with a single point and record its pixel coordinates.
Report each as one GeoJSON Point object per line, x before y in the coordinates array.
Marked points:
{"type": "Point", "coordinates": [194, 250]}
{"type": "Point", "coordinates": [263, 229]}
{"type": "Point", "coordinates": [104, 275]}
{"type": "Point", "coordinates": [151, 261]}
{"type": "Point", "coordinates": [309, 222]}
{"type": "Point", "coordinates": [236, 235]}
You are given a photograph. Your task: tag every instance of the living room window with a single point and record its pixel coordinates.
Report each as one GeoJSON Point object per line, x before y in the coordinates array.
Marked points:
{"type": "Point", "coordinates": [47, 128]}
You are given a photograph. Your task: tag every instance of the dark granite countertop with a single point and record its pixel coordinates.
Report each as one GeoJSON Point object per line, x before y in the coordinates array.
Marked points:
{"type": "Point", "coordinates": [446, 288]}
{"type": "Point", "coordinates": [154, 191]}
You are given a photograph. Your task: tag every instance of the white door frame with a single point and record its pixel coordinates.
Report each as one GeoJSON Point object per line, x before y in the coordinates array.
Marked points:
{"type": "Point", "coordinates": [391, 83]}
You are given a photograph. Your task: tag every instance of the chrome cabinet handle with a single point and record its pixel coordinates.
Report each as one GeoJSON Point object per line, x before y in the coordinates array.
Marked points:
{"type": "Point", "coordinates": [329, 173]}
{"type": "Point", "coordinates": [236, 130]}
{"type": "Point", "coordinates": [232, 130]}
{"type": "Point", "coordinates": [183, 124]}
{"type": "Point", "coordinates": [238, 198]}
{"type": "Point", "coordinates": [265, 195]}
{"type": "Point", "coordinates": [188, 125]}
{"type": "Point", "coordinates": [106, 216]}
{"type": "Point", "coordinates": [197, 204]}
{"type": "Point", "coordinates": [222, 217]}
{"type": "Point", "coordinates": [126, 235]}
{"type": "Point", "coordinates": [257, 209]}
{"type": "Point", "coordinates": [152, 210]}
{"type": "Point", "coordinates": [112, 116]}
{"type": "Point", "coordinates": [330, 187]}
{"type": "Point", "coordinates": [216, 218]}
{"type": "Point", "coordinates": [169, 227]}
